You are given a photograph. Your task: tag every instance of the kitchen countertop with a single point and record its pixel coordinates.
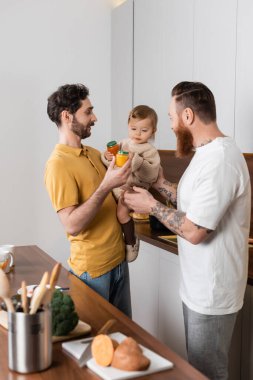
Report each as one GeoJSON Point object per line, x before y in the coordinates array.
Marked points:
{"type": "Point", "coordinates": [145, 233]}
{"type": "Point", "coordinates": [30, 264]}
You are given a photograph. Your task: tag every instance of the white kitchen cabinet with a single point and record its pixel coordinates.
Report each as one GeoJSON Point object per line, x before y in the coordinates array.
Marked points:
{"type": "Point", "coordinates": [157, 43]}
{"type": "Point", "coordinates": [121, 68]}
{"type": "Point", "coordinates": [156, 304]}
{"type": "Point", "coordinates": [144, 281]}
{"type": "Point", "coordinates": [163, 56]}
{"type": "Point", "coordinates": [184, 40]}
{"type": "Point", "coordinates": [170, 316]}
{"type": "Point", "coordinates": [215, 55]}
{"type": "Point", "coordinates": [244, 78]}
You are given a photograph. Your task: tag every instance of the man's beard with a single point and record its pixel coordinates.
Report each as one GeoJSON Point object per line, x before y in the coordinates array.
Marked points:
{"type": "Point", "coordinates": [80, 129]}
{"type": "Point", "coordinates": [184, 141]}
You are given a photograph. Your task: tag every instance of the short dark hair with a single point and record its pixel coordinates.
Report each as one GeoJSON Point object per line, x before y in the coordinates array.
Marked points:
{"type": "Point", "coordinates": [143, 112]}
{"type": "Point", "coordinates": [67, 97]}
{"type": "Point", "coordinates": [198, 97]}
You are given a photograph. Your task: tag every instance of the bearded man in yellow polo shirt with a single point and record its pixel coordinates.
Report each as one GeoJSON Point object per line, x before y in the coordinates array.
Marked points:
{"type": "Point", "coordinates": [80, 191]}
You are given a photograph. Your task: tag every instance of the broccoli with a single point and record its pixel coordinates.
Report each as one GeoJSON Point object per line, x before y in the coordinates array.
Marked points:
{"type": "Point", "coordinates": [64, 316]}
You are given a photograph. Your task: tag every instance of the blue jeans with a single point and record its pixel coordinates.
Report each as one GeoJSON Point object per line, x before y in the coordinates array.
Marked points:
{"type": "Point", "coordinates": [114, 286]}
{"type": "Point", "coordinates": [208, 339]}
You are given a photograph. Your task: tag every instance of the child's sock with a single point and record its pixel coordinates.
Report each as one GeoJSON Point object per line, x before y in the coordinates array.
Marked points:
{"type": "Point", "coordinates": [128, 230]}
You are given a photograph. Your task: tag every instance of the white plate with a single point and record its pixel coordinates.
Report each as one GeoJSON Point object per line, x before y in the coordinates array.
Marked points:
{"type": "Point", "coordinates": [158, 363]}
{"type": "Point", "coordinates": [30, 289]}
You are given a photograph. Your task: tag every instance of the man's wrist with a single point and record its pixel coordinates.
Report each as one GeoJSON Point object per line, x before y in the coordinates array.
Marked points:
{"type": "Point", "coordinates": [153, 205]}
{"type": "Point", "coordinates": [104, 189]}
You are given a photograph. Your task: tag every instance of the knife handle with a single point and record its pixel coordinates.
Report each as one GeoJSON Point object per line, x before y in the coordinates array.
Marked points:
{"type": "Point", "coordinates": [86, 355]}
{"type": "Point", "coordinates": [107, 326]}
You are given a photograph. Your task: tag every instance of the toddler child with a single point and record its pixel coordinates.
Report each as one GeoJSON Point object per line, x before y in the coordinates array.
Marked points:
{"type": "Point", "coordinates": [142, 125]}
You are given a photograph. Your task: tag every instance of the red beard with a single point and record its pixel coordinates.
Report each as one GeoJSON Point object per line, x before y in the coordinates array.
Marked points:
{"type": "Point", "coordinates": [184, 141]}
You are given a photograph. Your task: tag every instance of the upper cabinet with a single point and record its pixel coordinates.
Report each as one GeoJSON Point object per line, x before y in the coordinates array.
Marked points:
{"type": "Point", "coordinates": [122, 68]}
{"type": "Point", "coordinates": [163, 56]}
{"type": "Point", "coordinates": [168, 41]}
{"type": "Point", "coordinates": [215, 55]}
{"type": "Point", "coordinates": [244, 77]}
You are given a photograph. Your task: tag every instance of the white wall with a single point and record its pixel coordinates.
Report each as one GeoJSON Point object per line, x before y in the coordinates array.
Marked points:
{"type": "Point", "coordinates": [45, 44]}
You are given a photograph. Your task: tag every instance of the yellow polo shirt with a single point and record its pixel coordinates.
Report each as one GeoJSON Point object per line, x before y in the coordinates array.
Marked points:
{"type": "Point", "coordinates": [71, 177]}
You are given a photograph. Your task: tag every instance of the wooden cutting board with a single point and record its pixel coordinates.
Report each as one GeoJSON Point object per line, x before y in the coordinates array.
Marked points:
{"type": "Point", "coordinates": [81, 329]}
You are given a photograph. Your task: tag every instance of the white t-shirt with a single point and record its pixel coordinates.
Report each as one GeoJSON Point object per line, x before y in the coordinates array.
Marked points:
{"type": "Point", "coordinates": [215, 193]}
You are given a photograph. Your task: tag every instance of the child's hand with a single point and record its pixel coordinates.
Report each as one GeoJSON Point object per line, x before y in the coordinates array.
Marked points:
{"type": "Point", "coordinates": [108, 155]}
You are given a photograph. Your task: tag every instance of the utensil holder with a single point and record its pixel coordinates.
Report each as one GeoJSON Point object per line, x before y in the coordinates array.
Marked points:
{"type": "Point", "coordinates": [30, 341]}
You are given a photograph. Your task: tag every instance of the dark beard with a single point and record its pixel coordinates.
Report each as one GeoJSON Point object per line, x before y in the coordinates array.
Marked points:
{"type": "Point", "coordinates": [79, 129]}
{"type": "Point", "coordinates": [184, 141]}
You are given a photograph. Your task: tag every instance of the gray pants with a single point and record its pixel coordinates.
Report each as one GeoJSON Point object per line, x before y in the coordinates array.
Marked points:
{"type": "Point", "coordinates": [208, 339]}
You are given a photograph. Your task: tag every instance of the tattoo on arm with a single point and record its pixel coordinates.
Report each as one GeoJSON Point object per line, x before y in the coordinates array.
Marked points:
{"type": "Point", "coordinates": [173, 219]}
{"type": "Point", "coordinates": [203, 228]}
{"type": "Point", "coordinates": [170, 191]}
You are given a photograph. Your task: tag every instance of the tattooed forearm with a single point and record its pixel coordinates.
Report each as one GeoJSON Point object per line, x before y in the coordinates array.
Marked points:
{"type": "Point", "coordinates": [171, 218]}
{"type": "Point", "coordinates": [178, 222]}
{"type": "Point", "coordinates": [203, 228]}
{"type": "Point", "coordinates": [169, 190]}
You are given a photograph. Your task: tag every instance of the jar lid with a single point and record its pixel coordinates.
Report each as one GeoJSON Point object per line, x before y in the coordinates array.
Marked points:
{"type": "Point", "coordinates": [111, 143]}
{"type": "Point", "coordinates": [4, 255]}
{"type": "Point", "coordinates": [123, 152]}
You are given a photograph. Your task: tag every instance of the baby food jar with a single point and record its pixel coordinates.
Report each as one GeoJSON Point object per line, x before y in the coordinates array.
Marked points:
{"type": "Point", "coordinates": [121, 158]}
{"type": "Point", "coordinates": [6, 260]}
{"type": "Point", "coordinates": [113, 147]}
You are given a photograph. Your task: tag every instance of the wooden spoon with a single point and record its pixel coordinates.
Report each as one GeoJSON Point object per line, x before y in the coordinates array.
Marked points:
{"type": "Point", "coordinates": [5, 291]}
{"type": "Point", "coordinates": [52, 282]}
{"type": "Point", "coordinates": [39, 294]}
{"type": "Point", "coordinates": [24, 299]}
{"type": "Point", "coordinates": [54, 275]}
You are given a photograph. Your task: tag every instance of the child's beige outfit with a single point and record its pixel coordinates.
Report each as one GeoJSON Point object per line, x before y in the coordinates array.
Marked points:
{"type": "Point", "coordinates": [145, 167]}
{"type": "Point", "coordinates": [145, 164]}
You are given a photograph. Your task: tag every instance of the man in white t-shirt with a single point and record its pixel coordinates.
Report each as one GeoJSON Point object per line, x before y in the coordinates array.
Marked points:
{"type": "Point", "coordinates": [212, 220]}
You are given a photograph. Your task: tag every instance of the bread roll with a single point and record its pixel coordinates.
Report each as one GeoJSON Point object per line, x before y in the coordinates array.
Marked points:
{"type": "Point", "coordinates": [128, 356]}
